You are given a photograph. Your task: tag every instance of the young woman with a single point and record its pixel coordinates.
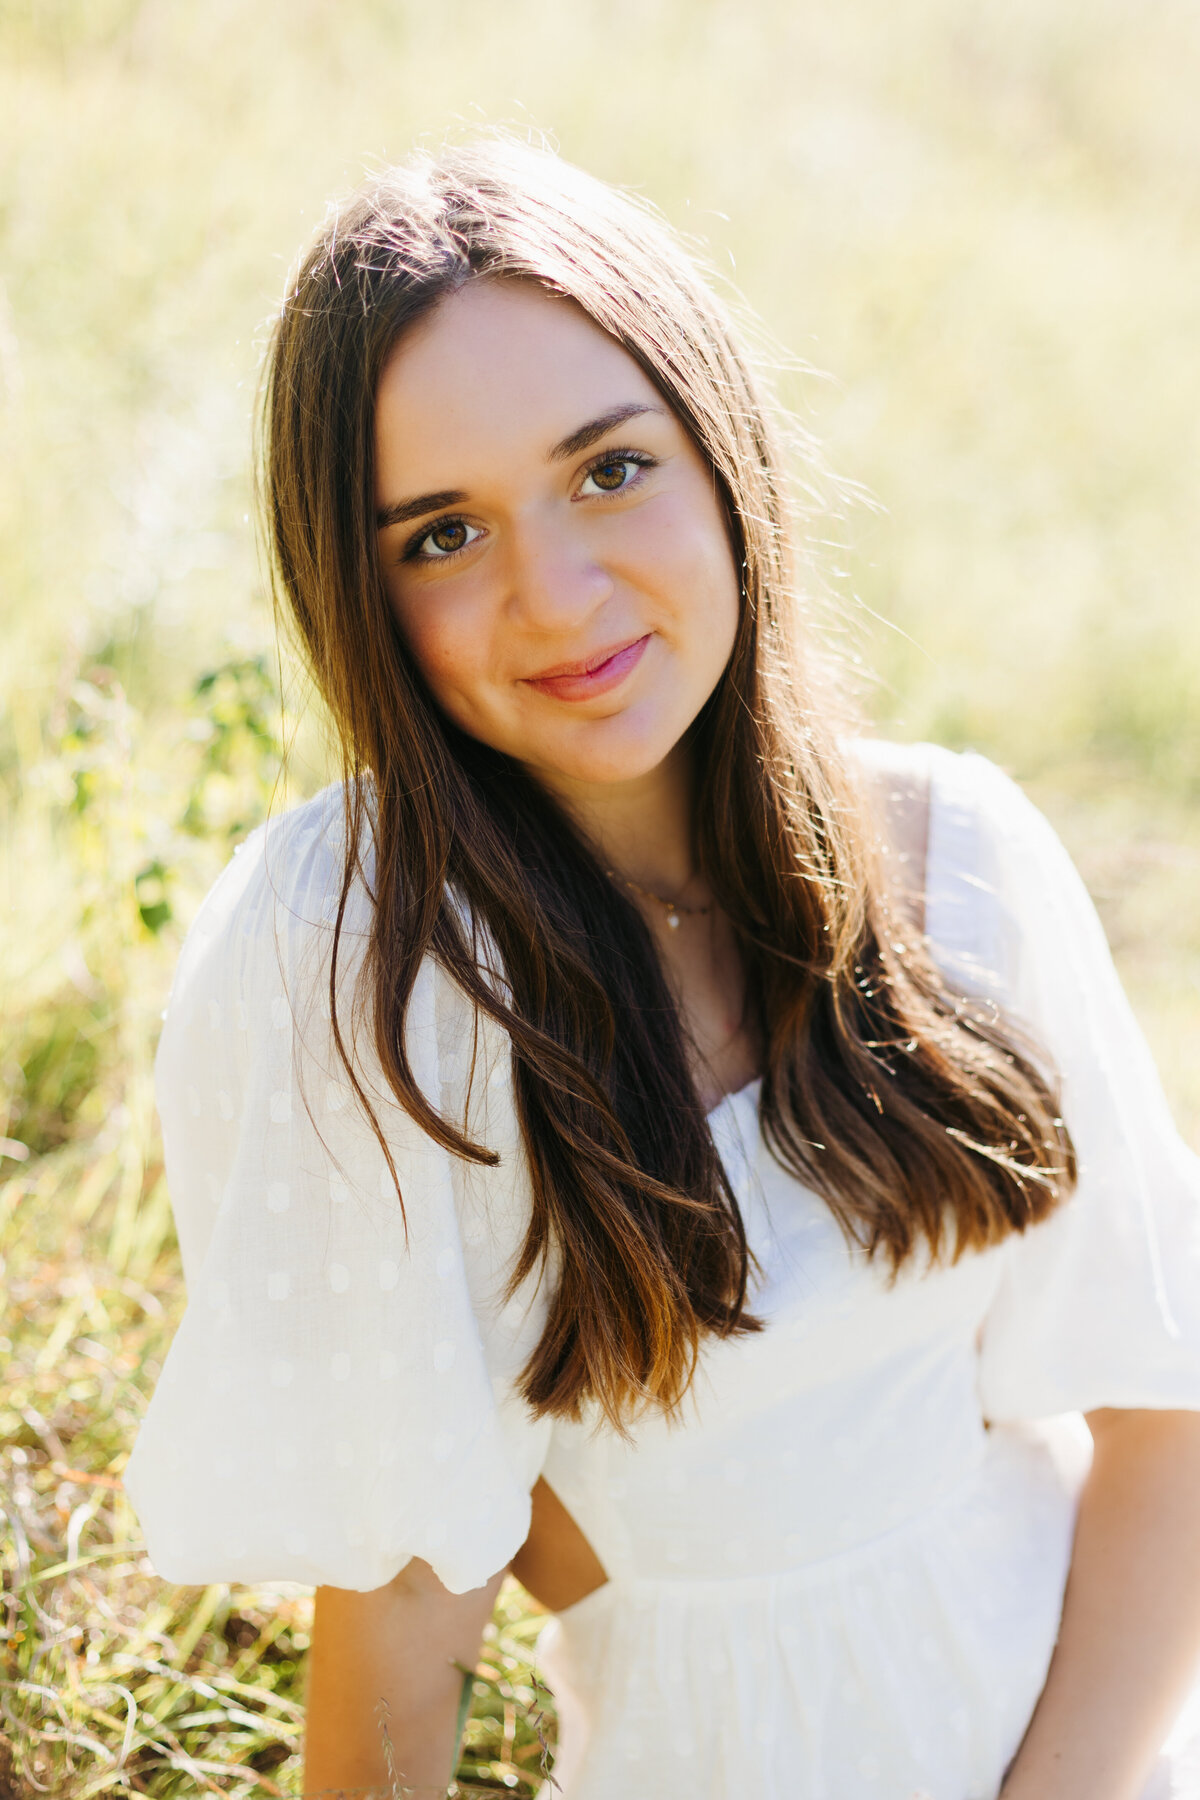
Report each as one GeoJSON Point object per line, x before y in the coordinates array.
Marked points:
{"type": "Point", "coordinates": [615, 1135]}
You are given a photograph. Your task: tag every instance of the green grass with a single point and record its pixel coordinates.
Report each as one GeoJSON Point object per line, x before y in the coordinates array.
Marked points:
{"type": "Point", "coordinates": [112, 1682]}
{"type": "Point", "coordinates": [977, 214]}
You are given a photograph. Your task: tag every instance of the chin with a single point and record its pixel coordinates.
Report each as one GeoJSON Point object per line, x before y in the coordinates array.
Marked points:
{"type": "Point", "coordinates": [605, 765]}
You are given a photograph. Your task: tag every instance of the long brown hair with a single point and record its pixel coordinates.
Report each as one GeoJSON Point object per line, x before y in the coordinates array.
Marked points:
{"type": "Point", "coordinates": [918, 1117]}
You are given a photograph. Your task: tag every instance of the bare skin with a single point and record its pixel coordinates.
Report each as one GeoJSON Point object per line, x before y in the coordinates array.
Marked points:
{"type": "Point", "coordinates": [394, 1656]}
{"type": "Point", "coordinates": [567, 588]}
{"type": "Point", "coordinates": [1130, 1636]}
{"type": "Point", "coordinates": [390, 1658]}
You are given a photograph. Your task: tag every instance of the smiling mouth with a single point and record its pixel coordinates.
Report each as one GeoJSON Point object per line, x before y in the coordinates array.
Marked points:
{"type": "Point", "coordinates": [595, 675]}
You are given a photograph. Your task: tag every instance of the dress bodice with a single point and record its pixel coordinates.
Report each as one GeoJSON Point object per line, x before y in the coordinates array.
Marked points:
{"type": "Point", "coordinates": [854, 1409]}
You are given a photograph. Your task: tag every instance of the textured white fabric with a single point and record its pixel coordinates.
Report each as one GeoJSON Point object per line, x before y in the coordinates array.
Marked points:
{"type": "Point", "coordinates": [832, 1580]}
{"type": "Point", "coordinates": [339, 1395]}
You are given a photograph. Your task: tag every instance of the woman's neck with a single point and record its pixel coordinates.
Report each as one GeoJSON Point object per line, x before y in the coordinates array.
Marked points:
{"type": "Point", "coordinates": [641, 829]}
{"type": "Point", "coordinates": [643, 832]}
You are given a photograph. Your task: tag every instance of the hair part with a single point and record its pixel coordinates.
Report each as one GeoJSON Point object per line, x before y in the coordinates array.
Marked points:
{"type": "Point", "coordinates": [919, 1117]}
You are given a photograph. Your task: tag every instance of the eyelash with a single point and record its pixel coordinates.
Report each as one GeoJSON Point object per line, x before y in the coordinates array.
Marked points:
{"type": "Point", "coordinates": [640, 457]}
{"type": "Point", "coordinates": [412, 550]}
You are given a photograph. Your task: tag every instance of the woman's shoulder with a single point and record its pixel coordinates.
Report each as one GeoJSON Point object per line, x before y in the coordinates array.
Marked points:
{"type": "Point", "coordinates": [282, 884]}
{"type": "Point", "coordinates": [929, 767]}
{"type": "Point", "coordinates": [988, 858]}
{"type": "Point", "coordinates": [896, 782]}
{"type": "Point", "coordinates": [294, 860]}
{"type": "Point", "coordinates": [959, 797]}
{"type": "Point", "coordinates": [289, 914]}
{"type": "Point", "coordinates": [267, 924]}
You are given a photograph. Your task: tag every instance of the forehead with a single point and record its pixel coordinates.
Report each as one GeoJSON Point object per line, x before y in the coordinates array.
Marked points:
{"type": "Point", "coordinates": [498, 367]}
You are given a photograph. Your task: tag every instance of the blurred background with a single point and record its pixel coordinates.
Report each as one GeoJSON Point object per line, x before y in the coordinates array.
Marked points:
{"type": "Point", "coordinates": [972, 227]}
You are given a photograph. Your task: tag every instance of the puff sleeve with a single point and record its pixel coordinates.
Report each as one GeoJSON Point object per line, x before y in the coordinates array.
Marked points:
{"type": "Point", "coordinates": [340, 1395]}
{"type": "Point", "coordinates": [1100, 1304]}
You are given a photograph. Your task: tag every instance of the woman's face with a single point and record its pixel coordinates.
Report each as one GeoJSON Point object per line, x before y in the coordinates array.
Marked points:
{"type": "Point", "coordinates": [553, 544]}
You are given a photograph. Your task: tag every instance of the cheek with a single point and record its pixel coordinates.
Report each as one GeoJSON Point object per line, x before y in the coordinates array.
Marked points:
{"type": "Point", "coordinates": [448, 648]}
{"type": "Point", "coordinates": [695, 575]}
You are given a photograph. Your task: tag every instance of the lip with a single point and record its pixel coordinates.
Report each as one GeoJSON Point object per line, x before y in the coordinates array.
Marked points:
{"type": "Point", "coordinates": [597, 674]}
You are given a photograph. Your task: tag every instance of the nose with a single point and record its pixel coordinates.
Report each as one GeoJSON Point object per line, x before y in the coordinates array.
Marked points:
{"type": "Point", "coordinates": [555, 583]}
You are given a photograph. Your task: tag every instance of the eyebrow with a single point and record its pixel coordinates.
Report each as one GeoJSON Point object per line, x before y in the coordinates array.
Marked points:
{"type": "Point", "coordinates": [416, 509]}
{"type": "Point", "coordinates": [597, 427]}
{"type": "Point", "coordinates": [578, 440]}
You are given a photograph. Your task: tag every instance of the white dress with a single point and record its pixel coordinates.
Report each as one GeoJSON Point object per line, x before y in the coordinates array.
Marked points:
{"type": "Point", "coordinates": [840, 1577]}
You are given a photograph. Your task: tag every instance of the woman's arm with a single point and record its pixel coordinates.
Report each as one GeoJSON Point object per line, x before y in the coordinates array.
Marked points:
{"type": "Point", "coordinates": [1130, 1635]}
{"type": "Point", "coordinates": [388, 1658]}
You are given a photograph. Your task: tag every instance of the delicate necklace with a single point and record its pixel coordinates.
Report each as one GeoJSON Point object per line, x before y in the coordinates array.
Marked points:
{"type": "Point", "coordinates": [672, 908]}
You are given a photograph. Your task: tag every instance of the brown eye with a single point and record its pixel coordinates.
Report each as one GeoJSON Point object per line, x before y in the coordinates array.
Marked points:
{"type": "Point", "coordinates": [447, 537]}
{"type": "Point", "coordinates": [619, 470]}
{"type": "Point", "coordinates": [611, 475]}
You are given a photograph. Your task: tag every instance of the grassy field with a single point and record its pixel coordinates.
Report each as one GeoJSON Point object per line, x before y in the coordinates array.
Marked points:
{"type": "Point", "coordinates": [976, 215]}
